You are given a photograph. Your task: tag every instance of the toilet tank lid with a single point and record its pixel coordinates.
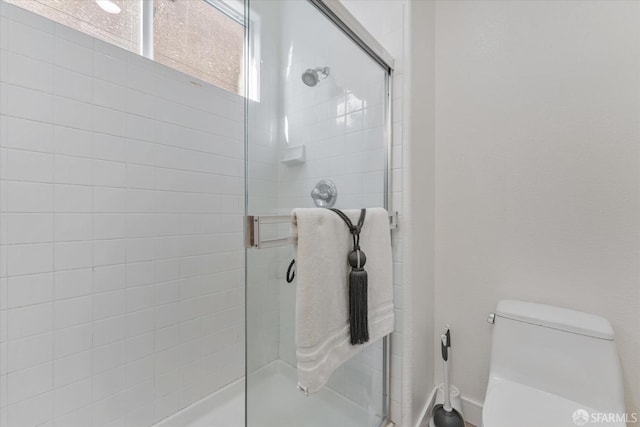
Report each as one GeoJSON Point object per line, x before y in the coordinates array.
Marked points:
{"type": "Point", "coordinates": [556, 318]}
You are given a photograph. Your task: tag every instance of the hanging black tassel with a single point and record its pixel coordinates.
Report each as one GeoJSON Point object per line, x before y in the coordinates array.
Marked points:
{"type": "Point", "coordinates": [358, 310]}
{"type": "Point", "coordinates": [358, 307]}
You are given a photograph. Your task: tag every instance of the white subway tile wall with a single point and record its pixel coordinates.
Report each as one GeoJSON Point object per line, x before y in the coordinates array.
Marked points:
{"type": "Point", "coordinates": [264, 272]}
{"type": "Point", "coordinates": [341, 123]}
{"type": "Point", "coordinates": [385, 20]}
{"type": "Point", "coordinates": [121, 260]}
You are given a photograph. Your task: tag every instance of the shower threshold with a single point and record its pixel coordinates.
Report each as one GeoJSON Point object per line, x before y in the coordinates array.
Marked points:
{"type": "Point", "coordinates": [274, 387]}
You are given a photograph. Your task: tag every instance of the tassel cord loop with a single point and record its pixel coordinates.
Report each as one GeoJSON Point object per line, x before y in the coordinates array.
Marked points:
{"type": "Point", "coordinates": [354, 229]}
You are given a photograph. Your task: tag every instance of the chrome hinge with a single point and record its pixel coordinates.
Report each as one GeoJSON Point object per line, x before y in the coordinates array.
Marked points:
{"type": "Point", "coordinates": [393, 220]}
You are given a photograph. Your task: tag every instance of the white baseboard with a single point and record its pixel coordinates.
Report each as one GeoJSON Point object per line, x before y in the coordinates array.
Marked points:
{"type": "Point", "coordinates": [472, 411]}
{"type": "Point", "coordinates": [428, 406]}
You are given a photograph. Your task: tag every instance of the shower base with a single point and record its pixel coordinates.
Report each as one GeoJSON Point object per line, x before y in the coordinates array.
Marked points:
{"type": "Point", "coordinates": [271, 387]}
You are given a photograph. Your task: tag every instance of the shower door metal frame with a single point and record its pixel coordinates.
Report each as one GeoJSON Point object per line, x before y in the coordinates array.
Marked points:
{"type": "Point", "coordinates": [340, 16]}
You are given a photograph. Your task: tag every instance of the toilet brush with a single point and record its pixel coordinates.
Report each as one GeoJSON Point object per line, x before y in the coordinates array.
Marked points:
{"type": "Point", "coordinates": [446, 415]}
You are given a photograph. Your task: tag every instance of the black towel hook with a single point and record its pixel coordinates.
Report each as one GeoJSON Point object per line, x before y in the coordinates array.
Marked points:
{"type": "Point", "coordinates": [291, 273]}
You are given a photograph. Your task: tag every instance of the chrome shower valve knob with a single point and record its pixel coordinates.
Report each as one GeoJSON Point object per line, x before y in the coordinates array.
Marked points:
{"type": "Point", "coordinates": [324, 194]}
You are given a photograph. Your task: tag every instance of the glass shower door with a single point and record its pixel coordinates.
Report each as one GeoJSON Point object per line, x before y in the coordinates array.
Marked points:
{"type": "Point", "coordinates": [316, 110]}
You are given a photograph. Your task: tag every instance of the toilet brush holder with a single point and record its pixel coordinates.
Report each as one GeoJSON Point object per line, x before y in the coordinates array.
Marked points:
{"type": "Point", "coordinates": [446, 414]}
{"type": "Point", "coordinates": [456, 400]}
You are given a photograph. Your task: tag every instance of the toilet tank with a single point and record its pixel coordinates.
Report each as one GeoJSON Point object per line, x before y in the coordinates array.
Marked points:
{"type": "Point", "coordinates": [564, 352]}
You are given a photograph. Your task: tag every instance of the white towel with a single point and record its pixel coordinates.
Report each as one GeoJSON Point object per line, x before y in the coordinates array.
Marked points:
{"type": "Point", "coordinates": [322, 289]}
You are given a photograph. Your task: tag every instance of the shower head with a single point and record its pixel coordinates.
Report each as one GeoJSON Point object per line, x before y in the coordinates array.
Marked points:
{"type": "Point", "coordinates": [312, 77]}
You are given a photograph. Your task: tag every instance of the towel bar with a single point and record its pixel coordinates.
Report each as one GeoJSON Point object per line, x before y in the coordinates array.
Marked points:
{"type": "Point", "coordinates": [254, 223]}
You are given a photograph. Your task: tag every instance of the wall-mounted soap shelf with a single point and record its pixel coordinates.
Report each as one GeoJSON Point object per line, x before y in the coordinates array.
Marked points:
{"type": "Point", "coordinates": [294, 155]}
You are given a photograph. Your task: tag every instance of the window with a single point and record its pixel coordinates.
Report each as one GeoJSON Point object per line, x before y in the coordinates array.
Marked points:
{"type": "Point", "coordinates": [115, 21]}
{"type": "Point", "coordinates": [202, 38]}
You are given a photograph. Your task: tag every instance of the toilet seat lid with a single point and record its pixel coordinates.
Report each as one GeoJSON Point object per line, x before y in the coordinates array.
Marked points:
{"type": "Point", "coordinates": [510, 404]}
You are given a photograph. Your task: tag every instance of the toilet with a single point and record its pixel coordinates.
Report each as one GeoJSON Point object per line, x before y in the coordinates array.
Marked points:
{"type": "Point", "coordinates": [552, 367]}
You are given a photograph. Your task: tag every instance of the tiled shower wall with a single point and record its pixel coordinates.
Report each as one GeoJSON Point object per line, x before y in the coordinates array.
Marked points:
{"type": "Point", "coordinates": [386, 21]}
{"type": "Point", "coordinates": [334, 134]}
{"type": "Point", "coordinates": [341, 124]}
{"type": "Point", "coordinates": [121, 236]}
{"type": "Point", "coordinates": [262, 181]}
{"type": "Point", "coordinates": [340, 121]}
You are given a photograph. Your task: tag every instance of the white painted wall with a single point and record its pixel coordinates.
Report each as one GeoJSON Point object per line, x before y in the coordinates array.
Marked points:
{"type": "Point", "coordinates": [121, 260]}
{"type": "Point", "coordinates": [419, 206]}
{"type": "Point", "coordinates": [537, 169]}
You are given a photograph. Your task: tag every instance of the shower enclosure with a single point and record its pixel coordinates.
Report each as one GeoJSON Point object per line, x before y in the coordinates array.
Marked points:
{"type": "Point", "coordinates": [323, 114]}
{"type": "Point", "coordinates": [129, 164]}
